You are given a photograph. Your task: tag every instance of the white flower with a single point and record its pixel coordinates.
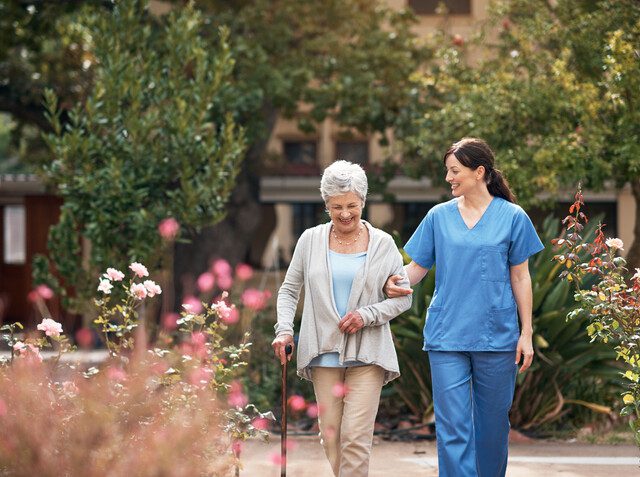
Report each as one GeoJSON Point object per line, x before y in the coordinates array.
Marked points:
{"type": "Point", "coordinates": [113, 274]}
{"type": "Point", "coordinates": [514, 53]}
{"type": "Point", "coordinates": [615, 243]}
{"type": "Point", "coordinates": [50, 327]}
{"type": "Point", "coordinates": [637, 275]}
{"type": "Point", "coordinates": [139, 291]}
{"type": "Point", "coordinates": [19, 346]}
{"type": "Point", "coordinates": [139, 269]}
{"type": "Point", "coordinates": [152, 287]}
{"type": "Point", "coordinates": [105, 286]}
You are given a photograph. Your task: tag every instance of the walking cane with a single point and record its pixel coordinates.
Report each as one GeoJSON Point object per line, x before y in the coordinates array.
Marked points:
{"type": "Point", "coordinates": [283, 430]}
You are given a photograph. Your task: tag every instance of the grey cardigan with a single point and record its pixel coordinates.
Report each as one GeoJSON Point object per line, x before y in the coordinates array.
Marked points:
{"type": "Point", "coordinates": [319, 333]}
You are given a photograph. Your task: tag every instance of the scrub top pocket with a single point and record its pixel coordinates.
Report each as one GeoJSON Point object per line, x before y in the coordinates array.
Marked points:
{"type": "Point", "coordinates": [493, 264]}
{"type": "Point", "coordinates": [503, 328]}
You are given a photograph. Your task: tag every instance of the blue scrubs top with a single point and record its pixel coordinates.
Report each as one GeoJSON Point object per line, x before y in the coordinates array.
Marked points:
{"type": "Point", "coordinates": [473, 307]}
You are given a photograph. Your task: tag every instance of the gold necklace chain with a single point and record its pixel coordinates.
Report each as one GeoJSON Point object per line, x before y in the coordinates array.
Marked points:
{"type": "Point", "coordinates": [346, 243]}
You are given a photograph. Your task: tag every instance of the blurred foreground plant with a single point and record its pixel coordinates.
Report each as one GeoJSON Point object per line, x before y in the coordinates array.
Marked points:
{"type": "Point", "coordinates": [611, 305]}
{"type": "Point", "coordinates": [177, 401]}
{"type": "Point", "coordinates": [117, 422]}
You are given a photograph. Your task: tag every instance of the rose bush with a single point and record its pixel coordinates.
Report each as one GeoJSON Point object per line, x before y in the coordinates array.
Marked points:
{"type": "Point", "coordinates": [179, 401]}
{"type": "Point", "coordinates": [611, 305]}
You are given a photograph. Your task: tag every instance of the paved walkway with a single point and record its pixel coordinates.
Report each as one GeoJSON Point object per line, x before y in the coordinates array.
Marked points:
{"type": "Point", "coordinates": [405, 459]}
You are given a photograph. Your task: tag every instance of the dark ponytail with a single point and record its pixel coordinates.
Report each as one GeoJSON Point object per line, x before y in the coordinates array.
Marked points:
{"type": "Point", "coordinates": [472, 152]}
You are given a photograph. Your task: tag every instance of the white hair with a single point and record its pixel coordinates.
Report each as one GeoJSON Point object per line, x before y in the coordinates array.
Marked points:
{"type": "Point", "coordinates": [343, 177]}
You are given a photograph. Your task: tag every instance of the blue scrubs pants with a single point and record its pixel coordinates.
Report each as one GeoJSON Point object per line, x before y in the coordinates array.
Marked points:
{"type": "Point", "coordinates": [472, 395]}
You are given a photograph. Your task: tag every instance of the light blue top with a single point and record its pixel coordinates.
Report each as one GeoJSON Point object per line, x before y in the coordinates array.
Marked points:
{"type": "Point", "coordinates": [473, 307]}
{"type": "Point", "coordinates": [343, 269]}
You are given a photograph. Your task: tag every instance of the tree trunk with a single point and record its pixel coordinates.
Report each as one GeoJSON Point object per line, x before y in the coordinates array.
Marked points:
{"type": "Point", "coordinates": [633, 256]}
{"type": "Point", "coordinates": [242, 235]}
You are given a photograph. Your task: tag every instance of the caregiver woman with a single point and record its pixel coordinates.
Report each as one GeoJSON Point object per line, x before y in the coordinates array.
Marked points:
{"type": "Point", "coordinates": [480, 242]}
{"type": "Point", "coordinates": [345, 345]}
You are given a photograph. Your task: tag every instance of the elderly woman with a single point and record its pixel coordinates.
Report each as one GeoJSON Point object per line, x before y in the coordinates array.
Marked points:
{"type": "Point", "coordinates": [345, 345]}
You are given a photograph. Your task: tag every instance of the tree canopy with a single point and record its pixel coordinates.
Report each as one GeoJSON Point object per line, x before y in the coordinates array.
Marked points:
{"type": "Point", "coordinates": [144, 145]}
{"type": "Point", "coordinates": [556, 97]}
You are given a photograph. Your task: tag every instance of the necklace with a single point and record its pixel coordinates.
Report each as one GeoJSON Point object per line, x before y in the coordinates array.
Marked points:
{"type": "Point", "coordinates": [346, 243]}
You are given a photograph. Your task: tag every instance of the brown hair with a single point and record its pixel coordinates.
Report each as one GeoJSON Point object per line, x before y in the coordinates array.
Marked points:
{"type": "Point", "coordinates": [473, 153]}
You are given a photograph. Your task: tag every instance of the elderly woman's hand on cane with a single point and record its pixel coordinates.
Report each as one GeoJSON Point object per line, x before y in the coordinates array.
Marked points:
{"type": "Point", "coordinates": [279, 347]}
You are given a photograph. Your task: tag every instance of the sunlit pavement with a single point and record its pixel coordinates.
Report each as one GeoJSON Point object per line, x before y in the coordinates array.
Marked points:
{"type": "Point", "coordinates": [404, 459]}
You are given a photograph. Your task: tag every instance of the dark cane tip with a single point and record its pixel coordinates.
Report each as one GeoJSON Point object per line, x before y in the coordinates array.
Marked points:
{"type": "Point", "coordinates": [288, 349]}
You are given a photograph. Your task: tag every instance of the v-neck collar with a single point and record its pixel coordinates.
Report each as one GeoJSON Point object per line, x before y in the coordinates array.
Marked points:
{"type": "Point", "coordinates": [475, 226]}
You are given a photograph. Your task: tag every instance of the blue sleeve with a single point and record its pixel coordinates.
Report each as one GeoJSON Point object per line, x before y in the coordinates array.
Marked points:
{"type": "Point", "coordinates": [524, 239]}
{"type": "Point", "coordinates": [421, 246]}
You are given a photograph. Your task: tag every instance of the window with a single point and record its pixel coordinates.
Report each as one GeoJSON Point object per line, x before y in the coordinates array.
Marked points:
{"type": "Point", "coordinates": [14, 226]}
{"type": "Point", "coordinates": [413, 213]}
{"type": "Point", "coordinates": [429, 7]}
{"type": "Point", "coordinates": [302, 153]}
{"type": "Point", "coordinates": [353, 151]}
{"type": "Point", "coordinates": [306, 215]}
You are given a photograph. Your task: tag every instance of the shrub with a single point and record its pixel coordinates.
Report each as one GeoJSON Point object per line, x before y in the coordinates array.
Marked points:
{"type": "Point", "coordinates": [608, 300]}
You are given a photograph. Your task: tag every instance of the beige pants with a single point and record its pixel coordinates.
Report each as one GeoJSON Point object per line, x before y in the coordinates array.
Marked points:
{"type": "Point", "coordinates": [346, 423]}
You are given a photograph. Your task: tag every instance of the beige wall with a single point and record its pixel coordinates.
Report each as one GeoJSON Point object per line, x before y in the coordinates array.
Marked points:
{"type": "Point", "coordinates": [626, 216]}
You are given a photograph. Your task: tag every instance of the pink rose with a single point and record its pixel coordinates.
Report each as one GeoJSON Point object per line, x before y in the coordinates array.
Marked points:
{"type": "Point", "coordinates": [234, 316]}
{"type": "Point", "coordinates": [113, 274]}
{"type": "Point", "coordinates": [226, 312]}
{"type": "Point", "coordinates": [236, 397]}
{"type": "Point", "coordinates": [168, 228]}
{"type": "Point", "coordinates": [138, 291]}
{"type": "Point", "coordinates": [255, 299]}
{"type": "Point", "coordinates": [296, 403]}
{"type": "Point", "coordinates": [50, 327]}
{"type": "Point", "coordinates": [170, 321]}
{"type": "Point", "coordinates": [221, 267]}
{"type": "Point", "coordinates": [84, 338]}
{"type": "Point", "coordinates": [244, 272]}
{"type": "Point", "coordinates": [40, 292]}
{"type": "Point", "coordinates": [152, 287]}
{"type": "Point", "coordinates": [45, 292]}
{"type": "Point", "coordinates": [206, 281]}
{"type": "Point", "coordinates": [192, 304]}
{"type": "Point", "coordinates": [225, 282]}
{"type": "Point", "coordinates": [139, 269]}
{"type": "Point", "coordinates": [260, 423]}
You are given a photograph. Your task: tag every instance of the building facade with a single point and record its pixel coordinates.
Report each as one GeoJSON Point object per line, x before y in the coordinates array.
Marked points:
{"type": "Point", "coordinates": [294, 188]}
